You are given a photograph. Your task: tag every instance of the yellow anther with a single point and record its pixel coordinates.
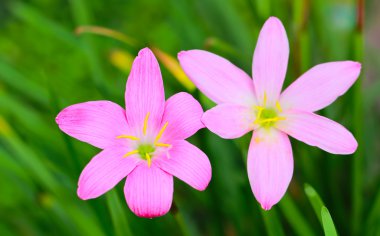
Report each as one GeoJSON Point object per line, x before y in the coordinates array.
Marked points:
{"type": "Point", "coordinates": [131, 153]}
{"type": "Point", "coordinates": [162, 145]}
{"type": "Point", "coordinates": [260, 110]}
{"type": "Point", "coordinates": [146, 123]}
{"type": "Point", "coordinates": [148, 159]}
{"type": "Point", "coordinates": [278, 106]}
{"type": "Point", "coordinates": [265, 99]}
{"type": "Point", "coordinates": [271, 119]}
{"type": "Point", "coordinates": [161, 132]}
{"type": "Point", "coordinates": [128, 137]}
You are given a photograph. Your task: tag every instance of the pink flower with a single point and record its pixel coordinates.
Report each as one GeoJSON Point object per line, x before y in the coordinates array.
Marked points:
{"type": "Point", "coordinates": [144, 142]}
{"type": "Point", "coordinates": [244, 105]}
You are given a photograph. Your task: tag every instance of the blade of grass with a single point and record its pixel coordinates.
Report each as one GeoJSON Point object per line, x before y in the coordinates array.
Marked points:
{"type": "Point", "coordinates": [320, 210]}
{"type": "Point", "coordinates": [122, 60]}
{"type": "Point", "coordinates": [35, 19]}
{"type": "Point", "coordinates": [358, 120]}
{"type": "Point", "coordinates": [172, 65]}
{"type": "Point", "coordinates": [14, 79]}
{"type": "Point", "coordinates": [82, 17]}
{"type": "Point", "coordinates": [118, 216]}
{"type": "Point", "coordinates": [315, 200]}
{"type": "Point", "coordinates": [294, 217]}
{"type": "Point", "coordinates": [374, 214]}
{"type": "Point", "coordinates": [327, 222]}
{"type": "Point", "coordinates": [272, 223]}
{"type": "Point", "coordinates": [108, 33]}
{"type": "Point", "coordinates": [28, 158]}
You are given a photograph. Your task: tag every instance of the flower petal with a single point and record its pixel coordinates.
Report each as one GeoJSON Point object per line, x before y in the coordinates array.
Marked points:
{"type": "Point", "coordinates": [270, 60]}
{"type": "Point", "coordinates": [183, 114]}
{"type": "Point", "coordinates": [318, 131]}
{"type": "Point", "coordinates": [145, 92]}
{"type": "Point", "coordinates": [97, 123]}
{"type": "Point", "coordinates": [217, 78]}
{"type": "Point", "coordinates": [104, 171]}
{"type": "Point", "coordinates": [229, 120]}
{"type": "Point", "coordinates": [188, 163]}
{"type": "Point", "coordinates": [270, 166]}
{"type": "Point", "coordinates": [149, 191]}
{"type": "Point", "coordinates": [320, 86]}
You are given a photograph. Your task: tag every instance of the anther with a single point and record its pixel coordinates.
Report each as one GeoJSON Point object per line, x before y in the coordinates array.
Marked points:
{"type": "Point", "coordinates": [146, 123]}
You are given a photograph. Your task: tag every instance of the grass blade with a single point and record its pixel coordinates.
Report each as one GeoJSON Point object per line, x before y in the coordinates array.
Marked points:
{"type": "Point", "coordinates": [272, 223]}
{"type": "Point", "coordinates": [119, 218]}
{"type": "Point", "coordinates": [315, 200]}
{"type": "Point", "coordinates": [327, 222]}
{"type": "Point", "coordinates": [294, 217]}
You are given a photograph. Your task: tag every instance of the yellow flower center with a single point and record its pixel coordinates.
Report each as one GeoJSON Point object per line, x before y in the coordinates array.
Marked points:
{"type": "Point", "coordinates": [267, 116]}
{"type": "Point", "coordinates": [146, 150]}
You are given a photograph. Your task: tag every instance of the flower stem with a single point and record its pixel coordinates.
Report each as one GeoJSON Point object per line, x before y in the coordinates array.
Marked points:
{"type": "Point", "coordinates": [180, 220]}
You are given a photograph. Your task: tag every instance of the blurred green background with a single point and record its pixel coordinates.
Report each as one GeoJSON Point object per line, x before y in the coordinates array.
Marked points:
{"type": "Point", "coordinates": [46, 66]}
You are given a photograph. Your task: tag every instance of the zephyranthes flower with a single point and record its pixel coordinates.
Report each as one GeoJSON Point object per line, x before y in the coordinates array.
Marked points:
{"type": "Point", "coordinates": [145, 141]}
{"type": "Point", "coordinates": [245, 104]}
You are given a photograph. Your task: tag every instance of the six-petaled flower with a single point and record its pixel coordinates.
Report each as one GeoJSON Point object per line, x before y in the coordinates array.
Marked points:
{"type": "Point", "coordinates": [244, 104]}
{"type": "Point", "coordinates": [145, 141]}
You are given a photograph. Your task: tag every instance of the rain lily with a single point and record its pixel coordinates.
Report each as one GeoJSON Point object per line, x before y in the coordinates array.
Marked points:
{"type": "Point", "coordinates": [244, 104]}
{"type": "Point", "coordinates": [145, 141]}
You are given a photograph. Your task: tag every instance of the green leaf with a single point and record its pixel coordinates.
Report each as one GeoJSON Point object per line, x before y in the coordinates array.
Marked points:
{"type": "Point", "coordinates": [294, 217]}
{"type": "Point", "coordinates": [119, 218]}
{"type": "Point", "coordinates": [315, 200]}
{"type": "Point", "coordinates": [327, 222]}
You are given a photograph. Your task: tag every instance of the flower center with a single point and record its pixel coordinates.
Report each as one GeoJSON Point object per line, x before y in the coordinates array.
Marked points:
{"type": "Point", "coordinates": [146, 150]}
{"type": "Point", "coordinates": [267, 116]}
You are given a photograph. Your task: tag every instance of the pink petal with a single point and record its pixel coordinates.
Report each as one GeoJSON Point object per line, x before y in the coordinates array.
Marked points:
{"type": "Point", "coordinates": [229, 120]}
{"type": "Point", "coordinates": [97, 123]}
{"type": "Point", "coordinates": [183, 114]}
{"type": "Point", "coordinates": [270, 60]}
{"type": "Point", "coordinates": [149, 191]}
{"type": "Point", "coordinates": [320, 86]}
{"type": "Point", "coordinates": [217, 78]}
{"type": "Point", "coordinates": [104, 171]}
{"type": "Point", "coordinates": [318, 131]}
{"type": "Point", "coordinates": [145, 92]}
{"type": "Point", "coordinates": [270, 166]}
{"type": "Point", "coordinates": [188, 163]}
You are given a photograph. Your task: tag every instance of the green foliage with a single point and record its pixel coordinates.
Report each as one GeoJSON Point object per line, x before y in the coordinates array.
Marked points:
{"type": "Point", "coordinates": [45, 66]}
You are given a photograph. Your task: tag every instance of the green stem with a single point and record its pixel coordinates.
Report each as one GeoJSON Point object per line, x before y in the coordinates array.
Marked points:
{"type": "Point", "coordinates": [179, 219]}
{"type": "Point", "coordinates": [357, 162]}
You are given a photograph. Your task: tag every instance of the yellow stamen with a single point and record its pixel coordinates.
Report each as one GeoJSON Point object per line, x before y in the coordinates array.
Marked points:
{"type": "Point", "coordinates": [128, 137]}
{"type": "Point", "coordinates": [272, 119]}
{"type": "Point", "coordinates": [161, 132]}
{"type": "Point", "coordinates": [265, 99]}
{"type": "Point", "coordinates": [146, 123]}
{"type": "Point", "coordinates": [148, 159]}
{"type": "Point", "coordinates": [131, 153]}
{"type": "Point", "coordinates": [259, 112]}
{"type": "Point", "coordinates": [162, 145]}
{"type": "Point", "coordinates": [278, 106]}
